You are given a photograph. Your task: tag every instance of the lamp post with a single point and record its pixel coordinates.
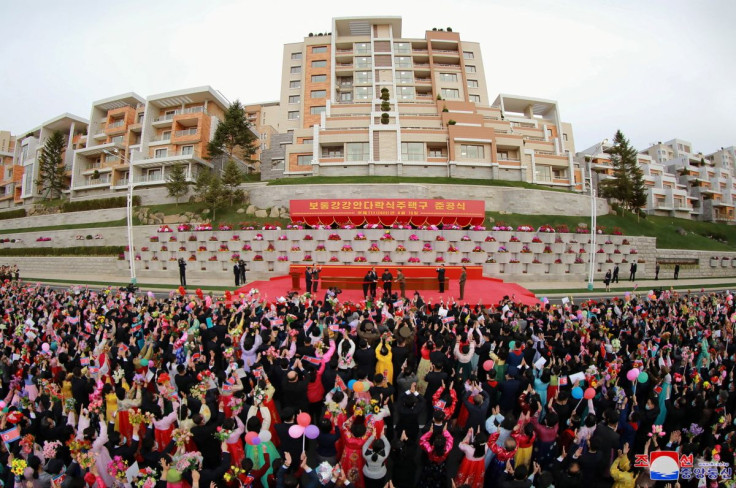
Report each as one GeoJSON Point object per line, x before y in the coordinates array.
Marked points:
{"type": "Point", "coordinates": [593, 215]}
{"type": "Point", "coordinates": [129, 213]}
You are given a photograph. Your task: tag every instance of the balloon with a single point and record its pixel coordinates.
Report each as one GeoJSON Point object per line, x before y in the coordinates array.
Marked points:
{"type": "Point", "coordinates": [144, 362]}
{"type": "Point", "coordinates": [303, 419]}
{"type": "Point", "coordinates": [264, 435]}
{"type": "Point", "coordinates": [249, 438]}
{"type": "Point", "coordinates": [151, 295]}
{"type": "Point", "coordinates": [311, 431]}
{"type": "Point", "coordinates": [54, 346]}
{"type": "Point", "coordinates": [350, 384]}
{"type": "Point", "coordinates": [633, 374]}
{"type": "Point", "coordinates": [296, 431]}
{"type": "Point", "coordinates": [358, 387]}
{"type": "Point", "coordinates": [488, 365]}
{"type": "Point", "coordinates": [256, 440]}
{"type": "Point", "coordinates": [45, 347]}
{"type": "Point", "coordinates": [577, 393]}
{"type": "Point", "coordinates": [589, 394]}
{"type": "Point", "coordinates": [2, 404]}
{"type": "Point", "coordinates": [643, 377]}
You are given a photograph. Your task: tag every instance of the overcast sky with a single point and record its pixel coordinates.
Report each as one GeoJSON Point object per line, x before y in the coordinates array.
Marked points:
{"type": "Point", "coordinates": [654, 69]}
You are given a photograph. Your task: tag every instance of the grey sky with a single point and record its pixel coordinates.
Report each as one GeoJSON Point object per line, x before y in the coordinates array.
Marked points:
{"type": "Point", "coordinates": [655, 69]}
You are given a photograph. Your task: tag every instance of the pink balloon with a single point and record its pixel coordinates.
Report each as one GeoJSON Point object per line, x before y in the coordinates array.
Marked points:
{"type": "Point", "coordinates": [296, 431]}
{"type": "Point", "coordinates": [45, 347]}
{"type": "Point", "coordinates": [2, 404]}
{"type": "Point", "coordinates": [488, 365]}
{"type": "Point", "coordinates": [633, 374]}
{"type": "Point", "coordinates": [311, 431]}
{"type": "Point", "coordinates": [303, 419]}
{"type": "Point", "coordinates": [589, 394]}
{"type": "Point", "coordinates": [249, 438]}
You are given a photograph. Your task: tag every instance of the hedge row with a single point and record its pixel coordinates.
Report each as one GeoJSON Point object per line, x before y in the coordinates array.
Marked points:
{"type": "Point", "coordinates": [64, 251]}
{"type": "Point", "coordinates": [98, 204]}
{"type": "Point", "coordinates": [13, 214]}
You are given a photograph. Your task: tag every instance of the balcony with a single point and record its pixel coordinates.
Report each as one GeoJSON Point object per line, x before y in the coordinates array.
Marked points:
{"type": "Point", "coordinates": [186, 132]}
{"type": "Point", "coordinates": [343, 66]}
{"type": "Point", "coordinates": [422, 81]}
{"type": "Point", "coordinates": [96, 150]}
{"type": "Point", "coordinates": [170, 160]}
{"type": "Point", "coordinates": [103, 180]}
{"type": "Point", "coordinates": [163, 138]}
{"type": "Point", "coordinates": [116, 124]}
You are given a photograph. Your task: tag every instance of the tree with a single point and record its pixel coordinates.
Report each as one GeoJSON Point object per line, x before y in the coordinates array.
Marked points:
{"type": "Point", "coordinates": [231, 178]}
{"type": "Point", "coordinates": [176, 183]}
{"type": "Point", "coordinates": [216, 195]}
{"type": "Point", "coordinates": [233, 135]}
{"type": "Point", "coordinates": [51, 169]}
{"type": "Point", "coordinates": [619, 187]}
{"type": "Point", "coordinates": [638, 193]}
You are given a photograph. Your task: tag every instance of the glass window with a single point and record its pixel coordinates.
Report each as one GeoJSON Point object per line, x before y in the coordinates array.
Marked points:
{"type": "Point", "coordinates": [153, 174]}
{"type": "Point", "coordinates": [304, 159]}
{"type": "Point", "coordinates": [362, 93]}
{"type": "Point", "coordinates": [471, 151]}
{"type": "Point", "coordinates": [405, 92]}
{"type": "Point", "coordinates": [319, 49]}
{"type": "Point", "coordinates": [319, 78]}
{"type": "Point", "coordinates": [404, 77]}
{"type": "Point", "coordinates": [294, 98]}
{"type": "Point", "coordinates": [402, 48]}
{"type": "Point", "coordinates": [295, 70]}
{"type": "Point", "coordinates": [448, 77]}
{"type": "Point", "coordinates": [435, 152]}
{"type": "Point", "coordinates": [187, 150]}
{"type": "Point", "coordinates": [412, 151]}
{"type": "Point", "coordinates": [543, 173]}
{"type": "Point", "coordinates": [469, 68]}
{"type": "Point", "coordinates": [317, 110]}
{"type": "Point", "coordinates": [119, 139]}
{"type": "Point", "coordinates": [560, 173]}
{"type": "Point", "coordinates": [357, 151]}
{"type": "Point", "coordinates": [295, 84]}
{"type": "Point", "coordinates": [468, 55]}
{"type": "Point", "coordinates": [450, 93]}
{"type": "Point", "coordinates": [319, 64]}
{"type": "Point", "coordinates": [403, 62]}
{"type": "Point", "coordinates": [161, 153]}
{"type": "Point", "coordinates": [293, 115]}
{"type": "Point", "coordinates": [472, 83]}
{"type": "Point", "coordinates": [362, 77]}
{"type": "Point", "coordinates": [319, 93]}
{"type": "Point", "coordinates": [296, 56]}
{"type": "Point", "coordinates": [332, 151]}
{"type": "Point", "coordinates": [475, 98]}
{"type": "Point", "coordinates": [362, 62]}
{"type": "Point", "coordinates": [139, 120]}
{"type": "Point", "coordinates": [362, 48]}
{"type": "Point", "coordinates": [346, 96]}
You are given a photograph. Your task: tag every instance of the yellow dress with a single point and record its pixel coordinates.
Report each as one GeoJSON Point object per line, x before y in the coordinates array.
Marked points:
{"type": "Point", "coordinates": [384, 365]}
{"type": "Point", "coordinates": [111, 407]}
{"type": "Point", "coordinates": [66, 389]}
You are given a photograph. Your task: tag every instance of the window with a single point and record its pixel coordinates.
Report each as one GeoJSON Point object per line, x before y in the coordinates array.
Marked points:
{"type": "Point", "coordinates": [404, 77]}
{"type": "Point", "coordinates": [332, 151]}
{"type": "Point", "coordinates": [304, 159]}
{"type": "Point", "coordinates": [405, 92]}
{"type": "Point", "coordinates": [357, 151]}
{"type": "Point", "coordinates": [319, 49]}
{"type": "Point", "coordinates": [412, 151]}
{"type": "Point", "coordinates": [295, 84]}
{"type": "Point", "coordinates": [469, 68]}
{"type": "Point", "coordinates": [294, 99]}
{"type": "Point", "coordinates": [139, 120]}
{"type": "Point", "coordinates": [363, 63]}
{"type": "Point", "coordinates": [403, 62]}
{"type": "Point", "coordinates": [296, 56]}
{"type": "Point", "coordinates": [187, 150]}
{"type": "Point", "coordinates": [402, 48]}
{"type": "Point", "coordinates": [295, 70]}
{"type": "Point", "coordinates": [448, 76]}
{"type": "Point", "coordinates": [293, 115]}
{"type": "Point", "coordinates": [564, 137]}
{"type": "Point", "coordinates": [346, 96]}
{"type": "Point", "coordinates": [543, 173]}
{"type": "Point", "coordinates": [560, 173]}
{"type": "Point", "coordinates": [153, 174]}
{"type": "Point", "coordinates": [119, 139]}
{"type": "Point", "coordinates": [319, 78]}
{"type": "Point", "coordinates": [475, 98]}
{"type": "Point", "coordinates": [319, 64]}
{"type": "Point", "coordinates": [472, 83]}
{"type": "Point", "coordinates": [450, 93]}
{"type": "Point", "coordinates": [161, 153]}
{"type": "Point", "coordinates": [307, 140]}
{"type": "Point", "coordinates": [435, 152]}
{"type": "Point", "coordinates": [362, 48]}
{"type": "Point", "coordinates": [362, 77]}
{"type": "Point", "coordinates": [317, 110]}
{"type": "Point", "coordinates": [362, 93]}
{"type": "Point", "coordinates": [503, 155]}
{"type": "Point", "coordinates": [470, 151]}
{"type": "Point", "coordinates": [319, 93]}
{"type": "Point", "coordinates": [165, 135]}
{"type": "Point", "coordinates": [468, 55]}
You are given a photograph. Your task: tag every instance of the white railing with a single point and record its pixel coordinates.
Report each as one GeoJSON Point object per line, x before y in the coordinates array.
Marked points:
{"type": "Point", "coordinates": [116, 124]}
{"type": "Point", "coordinates": [186, 132]}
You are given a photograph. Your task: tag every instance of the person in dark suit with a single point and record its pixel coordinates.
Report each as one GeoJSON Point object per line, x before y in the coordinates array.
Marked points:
{"type": "Point", "coordinates": [401, 280]}
{"type": "Point", "coordinates": [373, 282]}
{"type": "Point", "coordinates": [441, 278]}
{"type": "Point", "coordinates": [315, 278]}
{"type": "Point", "coordinates": [677, 270]}
{"type": "Point", "coordinates": [308, 279]}
{"type": "Point", "coordinates": [614, 279]}
{"type": "Point", "coordinates": [366, 283]}
{"type": "Point", "coordinates": [386, 279]}
{"type": "Point", "coordinates": [609, 439]}
{"type": "Point", "coordinates": [236, 273]}
{"type": "Point", "coordinates": [463, 278]}
{"type": "Point", "coordinates": [632, 271]}
{"type": "Point", "coordinates": [182, 272]}
{"type": "Point", "coordinates": [286, 442]}
{"type": "Point", "coordinates": [242, 271]}
{"type": "Point", "coordinates": [203, 436]}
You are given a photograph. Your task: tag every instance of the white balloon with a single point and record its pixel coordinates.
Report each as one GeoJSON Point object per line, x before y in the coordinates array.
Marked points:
{"type": "Point", "coordinates": [264, 435]}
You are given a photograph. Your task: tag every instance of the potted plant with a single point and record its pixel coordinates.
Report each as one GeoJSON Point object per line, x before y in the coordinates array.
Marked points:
{"type": "Point", "coordinates": [384, 118]}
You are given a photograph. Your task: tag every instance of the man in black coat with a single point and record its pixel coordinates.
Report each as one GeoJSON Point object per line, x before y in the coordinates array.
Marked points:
{"type": "Point", "coordinates": [203, 435]}
{"type": "Point", "coordinates": [441, 278]}
{"type": "Point", "coordinates": [287, 443]}
{"type": "Point", "coordinates": [387, 278]}
{"type": "Point", "coordinates": [182, 272]}
{"type": "Point", "coordinates": [373, 282]}
{"type": "Point", "coordinates": [308, 279]}
{"type": "Point", "coordinates": [608, 440]}
{"type": "Point", "coordinates": [294, 390]}
{"type": "Point", "coordinates": [236, 273]}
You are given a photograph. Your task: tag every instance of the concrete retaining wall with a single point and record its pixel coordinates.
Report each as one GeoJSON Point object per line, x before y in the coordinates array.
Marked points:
{"type": "Point", "coordinates": [40, 267]}
{"type": "Point", "coordinates": [68, 218]}
{"type": "Point", "coordinates": [710, 264]}
{"type": "Point", "coordinates": [498, 199]}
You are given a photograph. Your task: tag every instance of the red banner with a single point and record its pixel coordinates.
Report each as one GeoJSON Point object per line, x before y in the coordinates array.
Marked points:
{"type": "Point", "coordinates": [388, 211]}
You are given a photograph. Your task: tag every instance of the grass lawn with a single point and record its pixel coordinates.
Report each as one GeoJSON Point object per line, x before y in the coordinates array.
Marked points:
{"type": "Point", "coordinates": [347, 180]}
{"type": "Point", "coordinates": [91, 225]}
{"type": "Point", "coordinates": [663, 228]}
{"type": "Point", "coordinates": [142, 286]}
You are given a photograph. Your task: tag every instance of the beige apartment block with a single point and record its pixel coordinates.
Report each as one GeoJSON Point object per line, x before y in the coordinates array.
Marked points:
{"type": "Point", "coordinates": [10, 174]}
{"type": "Point", "coordinates": [437, 121]}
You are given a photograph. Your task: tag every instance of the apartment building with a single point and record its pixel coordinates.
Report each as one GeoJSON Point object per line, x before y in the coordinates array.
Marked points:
{"type": "Point", "coordinates": [28, 149]}
{"type": "Point", "coordinates": [264, 119]}
{"type": "Point", "coordinates": [366, 100]}
{"type": "Point", "coordinates": [10, 174]}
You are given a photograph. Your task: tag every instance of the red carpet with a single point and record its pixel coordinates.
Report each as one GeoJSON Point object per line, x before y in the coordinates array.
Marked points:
{"type": "Point", "coordinates": [487, 290]}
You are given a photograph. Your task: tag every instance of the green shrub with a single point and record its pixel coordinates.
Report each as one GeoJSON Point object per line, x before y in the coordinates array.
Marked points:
{"type": "Point", "coordinates": [13, 214]}
{"type": "Point", "coordinates": [63, 251]}
{"type": "Point", "coordinates": [98, 204]}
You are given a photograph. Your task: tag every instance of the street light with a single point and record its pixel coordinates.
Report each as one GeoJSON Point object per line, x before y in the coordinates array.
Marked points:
{"type": "Point", "coordinates": [129, 212]}
{"type": "Point", "coordinates": [593, 215]}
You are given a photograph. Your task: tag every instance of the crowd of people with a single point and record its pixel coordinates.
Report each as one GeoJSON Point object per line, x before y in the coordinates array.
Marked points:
{"type": "Point", "coordinates": [9, 273]}
{"type": "Point", "coordinates": [105, 388]}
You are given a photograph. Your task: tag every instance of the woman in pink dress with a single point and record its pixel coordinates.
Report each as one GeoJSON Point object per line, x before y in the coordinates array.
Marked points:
{"type": "Point", "coordinates": [356, 432]}
{"type": "Point", "coordinates": [472, 467]}
{"type": "Point", "coordinates": [235, 441]}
